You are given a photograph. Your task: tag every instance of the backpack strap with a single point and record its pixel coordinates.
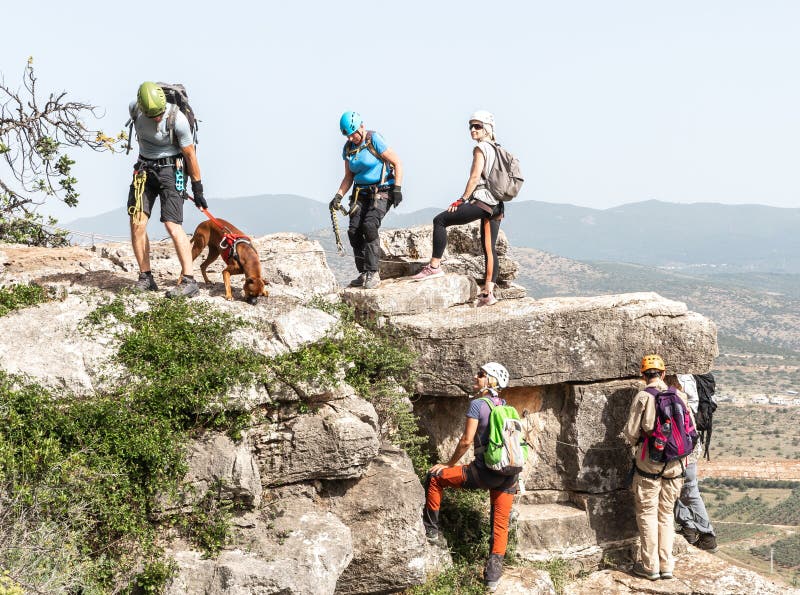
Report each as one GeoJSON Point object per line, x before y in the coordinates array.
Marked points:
{"type": "Point", "coordinates": [171, 116]}
{"type": "Point", "coordinates": [369, 146]}
{"type": "Point", "coordinates": [134, 113]}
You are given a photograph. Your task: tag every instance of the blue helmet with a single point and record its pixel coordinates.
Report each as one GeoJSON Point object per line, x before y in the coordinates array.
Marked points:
{"type": "Point", "coordinates": [349, 123]}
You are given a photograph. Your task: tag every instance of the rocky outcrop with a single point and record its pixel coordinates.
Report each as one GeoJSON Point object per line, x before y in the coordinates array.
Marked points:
{"type": "Point", "coordinates": [556, 340]}
{"type": "Point", "coordinates": [383, 512]}
{"type": "Point", "coordinates": [696, 573]}
{"type": "Point", "coordinates": [405, 251]}
{"type": "Point", "coordinates": [337, 441]}
{"type": "Point", "coordinates": [322, 505]}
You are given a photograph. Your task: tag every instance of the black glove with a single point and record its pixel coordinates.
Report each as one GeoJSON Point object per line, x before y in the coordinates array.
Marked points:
{"type": "Point", "coordinates": [397, 195]}
{"type": "Point", "coordinates": [336, 202]}
{"type": "Point", "coordinates": [197, 192]}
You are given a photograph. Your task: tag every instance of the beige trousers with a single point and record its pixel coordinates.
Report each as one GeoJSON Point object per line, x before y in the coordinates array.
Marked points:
{"type": "Point", "coordinates": [654, 502]}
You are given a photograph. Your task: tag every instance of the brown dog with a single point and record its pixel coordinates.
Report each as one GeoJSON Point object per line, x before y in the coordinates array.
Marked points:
{"type": "Point", "coordinates": [243, 261]}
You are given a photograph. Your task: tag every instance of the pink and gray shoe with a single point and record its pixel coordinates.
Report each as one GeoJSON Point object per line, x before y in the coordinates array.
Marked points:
{"type": "Point", "coordinates": [428, 272]}
{"type": "Point", "coordinates": [486, 299]}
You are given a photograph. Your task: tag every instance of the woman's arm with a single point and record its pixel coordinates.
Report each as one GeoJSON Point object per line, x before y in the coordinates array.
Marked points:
{"type": "Point", "coordinates": [470, 427]}
{"type": "Point", "coordinates": [390, 156]}
{"type": "Point", "coordinates": [478, 161]}
{"type": "Point", "coordinates": [347, 180]}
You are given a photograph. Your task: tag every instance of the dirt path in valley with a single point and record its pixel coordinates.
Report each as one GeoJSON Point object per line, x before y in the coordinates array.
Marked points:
{"type": "Point", "coordinates": [773, 469]}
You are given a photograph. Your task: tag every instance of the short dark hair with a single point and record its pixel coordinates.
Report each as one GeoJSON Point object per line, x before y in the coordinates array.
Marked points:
{"type": "Point", "coordinates": [650, 374]}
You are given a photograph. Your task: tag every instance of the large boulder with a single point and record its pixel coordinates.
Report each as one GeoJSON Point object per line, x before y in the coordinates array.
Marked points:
{"type": "Point", "coordinates": [294, 547]}
{"type": "Point", "coordinates": [405, 251]}
{"type": "Point", "coordinates": [696, 573]}
{"type": "Point", "coordinates": [556, 340]}
{"type": "Point", "coordinates": [403, 296]}
{"type": "Point", "coordinates": [384, 512]}
{"type": "Point", "coordinates": [337, 441]}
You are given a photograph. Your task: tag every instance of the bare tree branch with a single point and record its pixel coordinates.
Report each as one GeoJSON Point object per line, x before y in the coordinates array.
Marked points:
{"type": "Point", "coordinates": [33, 136]}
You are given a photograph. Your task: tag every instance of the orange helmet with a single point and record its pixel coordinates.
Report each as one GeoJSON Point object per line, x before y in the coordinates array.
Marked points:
{"type": "Point", "coordinates": [653, 362]}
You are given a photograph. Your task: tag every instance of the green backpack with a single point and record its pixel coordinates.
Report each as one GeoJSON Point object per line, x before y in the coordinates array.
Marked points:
{"type": "Point", "coordinates": [507, 450]}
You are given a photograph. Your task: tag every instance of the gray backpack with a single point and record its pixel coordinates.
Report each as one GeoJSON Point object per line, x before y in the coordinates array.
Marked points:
{"type": "Point", "coordinates": [505, 178]}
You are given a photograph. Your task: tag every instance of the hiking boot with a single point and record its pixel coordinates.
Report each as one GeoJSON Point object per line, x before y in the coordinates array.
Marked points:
{"type": "Point", "coordinates": [187, 289]}
{"type": "Point", "coordinates": [428, 272]}
{"type": "Point", "coordinates": [486, 299]}
{"type": "Point", "coordinates": [145, 283]}
{"type": "Point", "coordinates": [690, 535]}
{"type": "Point", "coordinates": [372, 279]}
{"type": "Point", "coordinates": [493, 571]}
{"type": "Point", "coordinates": [435, 537]}
{"type": "Point", "coordinates": [666, 575]}
{"type": "Point", "coordinates": [707, 542]}
{"type": "Point", "coordinates": [358, 281]}
{"type": "Point", "coordinates": [640, 570]}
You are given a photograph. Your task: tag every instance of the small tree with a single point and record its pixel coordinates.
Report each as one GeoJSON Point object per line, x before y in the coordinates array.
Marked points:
{"type": "Point", "coordinates": [34, 168]}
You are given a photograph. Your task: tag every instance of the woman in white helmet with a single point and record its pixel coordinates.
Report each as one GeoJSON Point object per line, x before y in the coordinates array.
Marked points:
{"type": "Point", "coordinates": [489, 380]}
{"type": "Point", "coordinates": [476, 202]}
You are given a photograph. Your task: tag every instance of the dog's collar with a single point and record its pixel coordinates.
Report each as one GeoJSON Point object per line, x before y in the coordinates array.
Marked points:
{"type": "Point", "coordinates": [229, 243]}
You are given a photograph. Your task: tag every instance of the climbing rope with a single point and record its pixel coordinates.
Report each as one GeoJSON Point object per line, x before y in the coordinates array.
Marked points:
{"type": "Point", "coordinates": [136, 212]}
{"type": "Point", "coordinates": [335, 220]}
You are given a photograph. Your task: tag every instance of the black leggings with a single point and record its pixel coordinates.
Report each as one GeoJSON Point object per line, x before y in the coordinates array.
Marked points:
{"type": "Point", "coordinates": [467, 213]}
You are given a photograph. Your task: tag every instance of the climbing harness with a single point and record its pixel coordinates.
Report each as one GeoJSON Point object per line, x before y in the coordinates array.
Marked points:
{"type": "Point", "coordinates": [136, 212]}
{"type": "Point", "coordinates": [351, 149]}
{"type": "Point", "coordinates": [347, 213]}
{"type": "Point", "coordinates": [229, 241]}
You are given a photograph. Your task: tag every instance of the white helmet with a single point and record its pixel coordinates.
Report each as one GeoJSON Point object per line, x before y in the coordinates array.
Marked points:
{"type": "Point", "coordinates": [498, 372]}
{"type": "Point", "coordinates": [483, 116]}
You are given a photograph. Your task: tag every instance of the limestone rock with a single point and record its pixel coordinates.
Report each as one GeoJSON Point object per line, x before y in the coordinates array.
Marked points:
{"type": "Point", "coordinates": [595, 457]}
{"type": "Point", "coordinates": [547, 530]}
{"type": "Point", "coordinates": [337, 441]}
{"type": "Point", "coordinates": [384, 512]}
{"type": "Point", "coordinates": [696, 573]}
{"type": "Point", "coordinates": [302, 550]}
{"type": "Point", "coordinates": [556, 340]}
{"type": "Point", "coordinates": [47, 343]}
{"type": "Point", "coordinates": [410, 297]}
{"type": "Point", "coordinates": [405, 251]}
{"type": "Point", "coordinates": [216, 463]}
{"type": "Point", "coordinates": [525, 581]}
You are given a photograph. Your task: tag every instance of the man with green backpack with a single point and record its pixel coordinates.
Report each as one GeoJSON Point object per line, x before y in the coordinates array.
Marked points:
{"type": "Point", "coordinates": [495, 430]}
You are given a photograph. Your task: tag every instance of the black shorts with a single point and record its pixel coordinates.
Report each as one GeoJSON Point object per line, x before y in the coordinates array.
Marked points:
{"type": "Point", "coordinates": [480, 477]}
{"type": "Point", "coordinates": [160, 182]}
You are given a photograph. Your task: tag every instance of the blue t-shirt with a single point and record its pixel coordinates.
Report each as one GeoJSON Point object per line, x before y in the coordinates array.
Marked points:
{"type": "Point", "coordinates": [154, 138]}
{"type": "Point", "coordinates": [480, 410]}
{"type": "Point", "coordinates": [365, 166]}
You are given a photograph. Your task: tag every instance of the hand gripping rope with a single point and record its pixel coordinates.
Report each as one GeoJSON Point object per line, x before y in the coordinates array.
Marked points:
{"type": "Point", "coordinates": [335, 220]}
{"type": "Point", "coordinates": [139, 180]}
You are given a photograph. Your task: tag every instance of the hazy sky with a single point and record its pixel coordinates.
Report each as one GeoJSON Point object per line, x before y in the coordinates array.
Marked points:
{"type": "Point", "coordinates": [604, 102]}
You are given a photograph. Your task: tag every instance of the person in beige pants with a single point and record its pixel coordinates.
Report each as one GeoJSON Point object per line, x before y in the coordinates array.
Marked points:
{"type": "Point", "coordinates": [655, 486]}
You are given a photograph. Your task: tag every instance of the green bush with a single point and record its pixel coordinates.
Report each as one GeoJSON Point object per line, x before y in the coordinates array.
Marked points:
{"type": "Point", "coordinates": [460, 579]}
{"type": "Point", "coordinates": [92, 467]}
{"type": "Point", "coordinates": [14, 297]}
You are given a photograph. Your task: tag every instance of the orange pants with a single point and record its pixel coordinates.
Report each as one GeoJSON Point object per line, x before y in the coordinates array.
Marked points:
{"type": "Point", "coordinates": [469, 477]}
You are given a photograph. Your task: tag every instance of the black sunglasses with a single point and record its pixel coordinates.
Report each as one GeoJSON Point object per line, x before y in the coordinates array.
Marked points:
{"type": "Point", "coordinates": [476, 126]}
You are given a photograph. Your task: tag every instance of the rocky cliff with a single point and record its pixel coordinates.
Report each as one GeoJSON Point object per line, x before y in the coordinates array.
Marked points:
{"type": "Point", "coordinates": [324, 504]}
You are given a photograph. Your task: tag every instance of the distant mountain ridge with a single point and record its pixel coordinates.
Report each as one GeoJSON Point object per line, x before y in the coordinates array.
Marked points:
{"type": "Point", "coordinates": [728, 237]}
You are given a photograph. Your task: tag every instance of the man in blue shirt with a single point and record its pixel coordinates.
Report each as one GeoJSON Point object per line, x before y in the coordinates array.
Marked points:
{"type": "Point", "coordinates": [166, 145]}
{"type": "Point", "coordinates": [377, 174]}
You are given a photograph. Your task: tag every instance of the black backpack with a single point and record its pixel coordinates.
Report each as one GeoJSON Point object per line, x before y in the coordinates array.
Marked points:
{"type": "Point", "coordinates": [176, 96]}
{"type": "Point", "coordinates": [706, 387]}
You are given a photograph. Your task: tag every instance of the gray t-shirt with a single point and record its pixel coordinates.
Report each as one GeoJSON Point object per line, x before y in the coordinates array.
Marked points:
{"type": "Point", "coordinates": [489, 155]}
{"type": "Point", "coordinates": [154, 138]}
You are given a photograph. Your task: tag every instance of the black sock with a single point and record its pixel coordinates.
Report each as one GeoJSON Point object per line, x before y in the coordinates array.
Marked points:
{"type": "Point", "coordinates": [148, 273]}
